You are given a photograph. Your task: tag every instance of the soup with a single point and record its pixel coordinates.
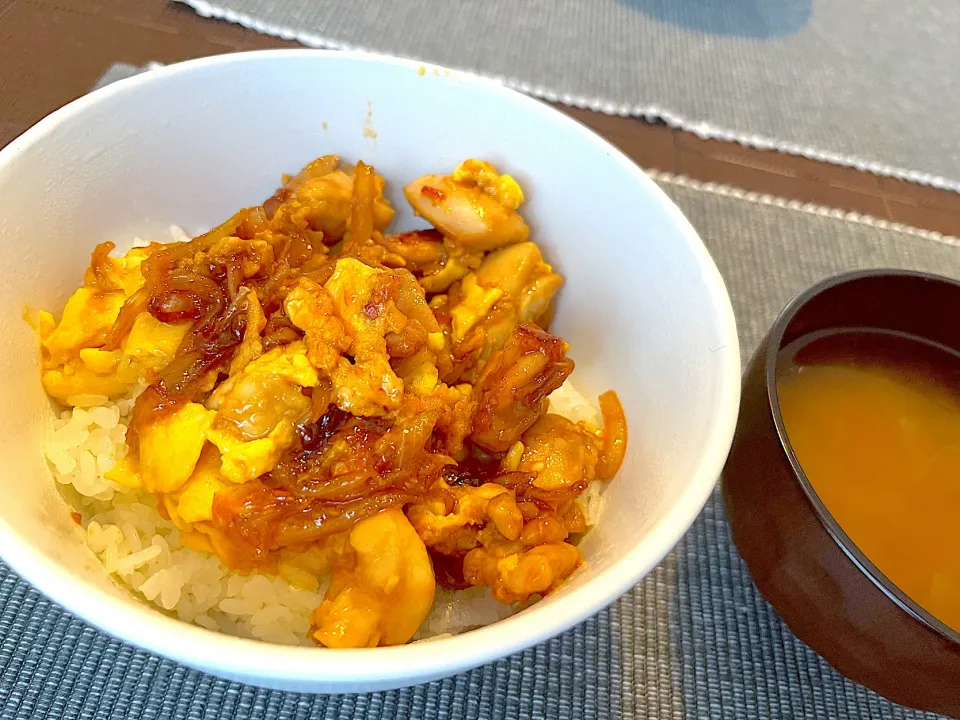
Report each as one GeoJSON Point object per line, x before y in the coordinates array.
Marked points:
{"type": "Point", "coordinates": [874, 420]}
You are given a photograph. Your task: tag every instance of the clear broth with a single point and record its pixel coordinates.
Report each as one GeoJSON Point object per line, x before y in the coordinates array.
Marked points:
{"type": "Point", "coordinates": [874, 420]}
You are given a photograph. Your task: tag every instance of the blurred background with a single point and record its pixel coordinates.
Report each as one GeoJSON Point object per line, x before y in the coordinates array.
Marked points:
{"type": "Point", "coordinates": [833, 85]}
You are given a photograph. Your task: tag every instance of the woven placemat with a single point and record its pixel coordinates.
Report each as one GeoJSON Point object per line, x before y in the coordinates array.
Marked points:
{"type": "Point", "coordinates": [693, 640]}
{"type": "Point", "coordinates": [866, 83]}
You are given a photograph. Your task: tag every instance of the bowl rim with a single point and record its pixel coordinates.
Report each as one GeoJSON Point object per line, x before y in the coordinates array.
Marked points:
{"type": "Point", "coordinates": [824, 516]}
{"type": "Point", "coordinates": [358, 670]}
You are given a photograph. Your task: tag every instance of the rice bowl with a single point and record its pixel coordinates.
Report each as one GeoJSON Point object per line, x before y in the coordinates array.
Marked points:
{"type": "Point", "coordinates": [676, 364]}
{"type": "Point", "coordinates": [343, 415]}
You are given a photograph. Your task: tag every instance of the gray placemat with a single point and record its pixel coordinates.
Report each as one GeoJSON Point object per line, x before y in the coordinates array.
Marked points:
{"type": "Point", "coordinates": [866, 83]}
{"type": "Point", "coordinates": [693, 640]}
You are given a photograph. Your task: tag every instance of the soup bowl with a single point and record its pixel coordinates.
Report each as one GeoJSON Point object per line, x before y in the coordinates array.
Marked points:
{"type": "Point", "coordinates": [643, 308]}
{"type": "Point", "coordinates": [826, 590]}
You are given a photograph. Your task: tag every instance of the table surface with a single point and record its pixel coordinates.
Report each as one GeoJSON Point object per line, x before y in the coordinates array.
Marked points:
{"type": "Point", "coordinates": [52, 51]}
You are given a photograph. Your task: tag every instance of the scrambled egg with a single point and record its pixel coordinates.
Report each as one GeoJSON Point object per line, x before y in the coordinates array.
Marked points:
{"type": "Point", "coordinates": [513, 285]}
{"type": "Point", "coordinates": [257, 410]}
{"type": "Point", "coordinates": [170, 447]}
{"type": "Point", "coordinates": [368, 386]}
{"type": "Point", "coordinates": [310, 307]}
{"type": "Point", "coordinates": [90, 370]}
{"type": "Point", "coordinates": [87, 318]}
{"type": "Point", "coordinates": [195, 501]}
{"type": "Point", "coordinates": [75, 361]}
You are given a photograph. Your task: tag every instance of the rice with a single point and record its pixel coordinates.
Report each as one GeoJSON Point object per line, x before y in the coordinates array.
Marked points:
{"type": "Point", "coordinates": [126, 532]}
{"type": "Point", "coordinates": [566, 400]}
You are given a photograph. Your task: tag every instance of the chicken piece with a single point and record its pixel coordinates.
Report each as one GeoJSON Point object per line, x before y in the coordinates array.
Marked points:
{"type": "Point", "coordinates": [439, 418]}
{"type": "Point", "coordinates": [310, 308]}
{"type": "Point", "coordinates": [506, 517]}
{"type": "Point", "coordinates": [517, 576]}
{"type": "Point", "coordinates": [421, 327]}
{"type": "Point", "coordinates": [474, 206]}
{"type": "Point", "coordinates": [545, 529]}
{"type": "Point", "coordinates": [450, 409]}
{"type": "Point", "coordinates": [320, 197]}
{"type": "Point", "coordinates": [419, 251]}
{"type": "Point", "coordinates": [267, 391]}
{"type": "Point", "coordinates": [448, 519]}
{"type": "Point", "coordinates": [361, 298]}
{"type": "Point", "coordinates": [382, 589]}
{"type": "Point", "coordinates": [512, 391]}
{"type": "Point", "coordinates": [170, 447]}
{"type": "Point", "coordinates": [525, 279]}
{"type": "Point", "coordinates": [403, 446]}
{"type": "Point", "coordinates": [435, 262]}
{"type": "Point", "coordinates": [560, 453]}
{"type": "Point", "coordinates": [458, 424]}
{"type": "Point", "coordinates": [258, 410]}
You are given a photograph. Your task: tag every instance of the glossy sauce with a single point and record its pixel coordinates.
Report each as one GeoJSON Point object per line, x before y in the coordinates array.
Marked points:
{"type": "Point", "coordinates": [874, 419]}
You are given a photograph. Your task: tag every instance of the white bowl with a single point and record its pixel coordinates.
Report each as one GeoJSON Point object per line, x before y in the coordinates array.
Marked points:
{"type": "Point", "coordinates": [644, 308]}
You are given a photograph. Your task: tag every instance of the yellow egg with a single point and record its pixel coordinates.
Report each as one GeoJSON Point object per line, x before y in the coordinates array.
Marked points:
{"type": "Point", "coordinates": [242, 461]}
{"type": "Point", "coordinates": [75, 378]}
{"type": "Point", "coordinates": [87, 318]}
{"type": "Point", "coordinates": [195, 503]}
{"type": "Point", "coordinates": [100, 361]}
{"type": "Point", "coordinates": [126, 473]}
{"type": "Point", "coordinates": [149, 338]}
{"type": "Point", "coordinates": [475, 304]}
{"type": "Point", "coordinates": [171, 447]}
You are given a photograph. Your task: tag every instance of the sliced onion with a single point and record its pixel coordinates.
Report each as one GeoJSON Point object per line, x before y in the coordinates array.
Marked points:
{"type": "Point", "coordinates": [614, 436]}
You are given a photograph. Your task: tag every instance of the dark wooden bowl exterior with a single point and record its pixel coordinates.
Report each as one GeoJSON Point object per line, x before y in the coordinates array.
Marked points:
{"type": "Point", "coordinates": [830, 595]}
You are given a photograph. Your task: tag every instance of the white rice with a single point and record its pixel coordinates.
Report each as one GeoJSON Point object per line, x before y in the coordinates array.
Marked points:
{"type": "Point", "coordinates": [143, 551]}
{"type": "Point", "coordinates": [566, 400]}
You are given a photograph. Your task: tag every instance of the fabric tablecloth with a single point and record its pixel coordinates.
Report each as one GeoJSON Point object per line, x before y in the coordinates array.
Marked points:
{"type": "Point", "coordinates": [868, 83]}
